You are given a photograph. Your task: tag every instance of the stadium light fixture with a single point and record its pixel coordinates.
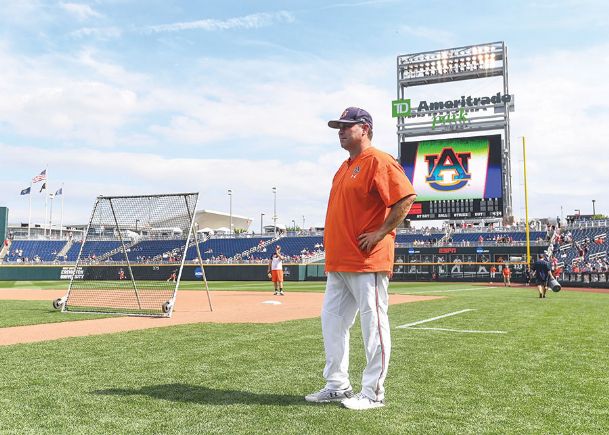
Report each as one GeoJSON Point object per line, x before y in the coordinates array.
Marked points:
{"type": "Point", "coordinates": [459, 63]}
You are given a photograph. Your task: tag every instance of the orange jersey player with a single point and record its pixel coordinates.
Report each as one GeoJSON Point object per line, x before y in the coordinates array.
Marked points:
{"type": "Point", "coordinates": [507, 275]}
{"type": "Point", "coordinates": [370, 197]}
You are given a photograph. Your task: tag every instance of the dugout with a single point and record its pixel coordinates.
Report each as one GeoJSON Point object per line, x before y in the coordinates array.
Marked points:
{"type": "Point", "coordinates": [460, 263]}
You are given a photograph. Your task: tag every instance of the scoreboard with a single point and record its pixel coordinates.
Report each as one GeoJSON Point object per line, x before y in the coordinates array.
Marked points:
{"type": "Point", "coordinates": [455, 178]}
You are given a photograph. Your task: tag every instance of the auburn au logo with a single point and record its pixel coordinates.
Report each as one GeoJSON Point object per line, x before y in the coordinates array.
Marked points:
{"type": "Point", "coordinates": [448, 170]}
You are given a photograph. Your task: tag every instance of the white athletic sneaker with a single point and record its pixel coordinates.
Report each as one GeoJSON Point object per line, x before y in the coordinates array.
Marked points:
{"type": "Point", "coordinates": [327, 395]}
{"type": "Point", "coordinates": [360, 402]}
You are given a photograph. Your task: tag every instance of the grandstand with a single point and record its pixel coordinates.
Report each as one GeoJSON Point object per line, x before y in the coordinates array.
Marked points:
{"type": "Point", "coordinates": [297, 247]}
{"type": "Point", "coordinates": [582, 247]}
{"type": "Point", "coordinates": [579, 247]}
{"type": "Point", "coordinates": [34, 250]}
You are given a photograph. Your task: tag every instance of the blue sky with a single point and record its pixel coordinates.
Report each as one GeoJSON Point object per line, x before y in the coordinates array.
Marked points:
{"type": "Point", "coordinates": [128, 97]}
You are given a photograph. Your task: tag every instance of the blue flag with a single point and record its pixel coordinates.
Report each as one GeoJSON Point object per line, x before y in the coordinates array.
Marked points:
{"type": "Point", "coordinates": [26, 191]}
{"type": "Point", "coordinates": [59, 191]}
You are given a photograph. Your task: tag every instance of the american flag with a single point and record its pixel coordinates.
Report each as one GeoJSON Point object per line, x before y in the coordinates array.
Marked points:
{"type": "Point", "coordinates": [40, 177]}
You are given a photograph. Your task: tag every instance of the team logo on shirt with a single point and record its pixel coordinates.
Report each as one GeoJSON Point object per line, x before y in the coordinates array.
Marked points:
{"type": "Point", "coordinates": [355, 172]}
{"type": "Point", "coordinates": [448, 171]}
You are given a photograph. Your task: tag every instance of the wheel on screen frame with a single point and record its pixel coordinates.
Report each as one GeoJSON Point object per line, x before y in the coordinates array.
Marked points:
{"type": "Point", "coordinates": [167, 306]}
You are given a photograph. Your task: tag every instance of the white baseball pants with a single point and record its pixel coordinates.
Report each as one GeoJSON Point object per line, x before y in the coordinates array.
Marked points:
{"type": "Point", "coordinates": [346, 294]}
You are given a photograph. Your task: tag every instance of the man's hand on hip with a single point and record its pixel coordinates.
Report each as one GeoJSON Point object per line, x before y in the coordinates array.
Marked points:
{"type": "Point", "coordinates": [367, 241]}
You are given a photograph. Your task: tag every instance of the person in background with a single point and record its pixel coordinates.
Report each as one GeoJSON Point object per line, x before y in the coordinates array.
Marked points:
{"type": "Point", "coordinates": [507, 275]}
{"type": "Point", "coordinates": [276, 270]}
{"type": "Point", "coordinates": [542, 271]}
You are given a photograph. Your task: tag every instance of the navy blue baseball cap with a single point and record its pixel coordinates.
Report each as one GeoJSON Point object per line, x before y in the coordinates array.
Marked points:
{"type": "Point", "coordinates": [351, 116]}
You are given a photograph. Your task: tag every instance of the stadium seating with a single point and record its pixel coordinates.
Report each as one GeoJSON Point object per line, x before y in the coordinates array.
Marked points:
{"type": "Point", "coordinates": [43, 250]}
{"type": "Point", "coordinates": [224, 247]}
{"type": "Point", "coordinates": [515, 236]}
{"type": "Point", "coordinates": [592, 242]}
{"type": "Point", "coordinates": [147, 250]}
{"type": "Point", "coordinates": [411, 238]}
{"type": "Point", "coordinates": [294, 246]}
{"type": "Point", "coordinates": [91, 249]}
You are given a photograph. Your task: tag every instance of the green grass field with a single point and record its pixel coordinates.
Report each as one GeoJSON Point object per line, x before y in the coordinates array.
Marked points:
{"type": "Point", "coordinates": [548, 373]}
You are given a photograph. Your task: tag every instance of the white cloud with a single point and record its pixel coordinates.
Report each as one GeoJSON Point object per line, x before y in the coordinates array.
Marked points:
{"type": "Point", "coordinates": [259, 107]}
{"type": "Point", "coordinates": [252, 21]}
{"type": "Point", "coordinates": [302, 186]}
{"type": "Point", "coordinates": [561, 104]}
{"type": "Point", "coordinates": [66, 98]}
{"type": "Point", "coordinates": [81, 11]}
{"type": "Point", "coordinates": [102, 33]}
{"type": "Point", "coordinates": [442, 37]}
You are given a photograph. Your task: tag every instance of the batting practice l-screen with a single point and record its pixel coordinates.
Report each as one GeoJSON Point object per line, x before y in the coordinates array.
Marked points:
{"type": "Point", "coordinates": [128, 237]}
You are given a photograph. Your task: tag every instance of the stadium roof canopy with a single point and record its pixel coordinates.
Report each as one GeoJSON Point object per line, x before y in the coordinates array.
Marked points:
{"type": "Point", "coordinates": [216, 220]}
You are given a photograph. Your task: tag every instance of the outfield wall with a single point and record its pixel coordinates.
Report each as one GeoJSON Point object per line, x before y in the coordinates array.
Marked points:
{"type": "Point", "coordinates": [467, 263]}
{"type": "Point", "coordinates": [154, 272]}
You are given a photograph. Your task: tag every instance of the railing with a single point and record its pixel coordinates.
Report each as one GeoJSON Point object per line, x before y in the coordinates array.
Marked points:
{"type": "Point", "coordinates": [582, 224]}
{"type": "Point", "coordinates": [467, 243]}
{"type": "Point", "coordinates": [64, 251]}
{"type": "Point", "coordinates": [315, 257]}
{"type": "Point", "coordinates": [253, 249]}
{"type": "Point", "coordinates": [118, 249]}
{"type": "Point", "coordinates": [585, 279]}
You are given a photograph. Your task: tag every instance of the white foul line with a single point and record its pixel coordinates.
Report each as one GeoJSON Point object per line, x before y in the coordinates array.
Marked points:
{"type": "Point", "coordinates": [461, 330]}
{"type": "Point", "coordinates": [408, 325]}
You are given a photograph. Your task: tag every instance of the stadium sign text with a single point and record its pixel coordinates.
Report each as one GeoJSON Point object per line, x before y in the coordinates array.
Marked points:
{"type": "Point", "coordinates": [464, 102]}
{"type": "Point", "coordinates": [68, 271]}
{"type": "Point", "coordinates": [400, 108]}
{"type": "Point", "coordinates": [403, 108]}
{"type": "Point", "coordinates": [449, 114]}
{"type": "Point", "coordinates": [457, 119]}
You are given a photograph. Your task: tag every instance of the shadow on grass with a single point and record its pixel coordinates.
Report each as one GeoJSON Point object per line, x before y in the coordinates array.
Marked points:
{"type": "Point", "coordinates": [199, 394]}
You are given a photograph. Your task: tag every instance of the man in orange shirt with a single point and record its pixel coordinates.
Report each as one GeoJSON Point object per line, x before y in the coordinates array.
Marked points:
{"type": "Point", "coordinates": [493, 273]}
{"type": "Point", "coordinates": [370, 197]}
{"type": "Point", "coordinates": [507, 275]}
{"type": "Point", "coordinates": [275, 270]}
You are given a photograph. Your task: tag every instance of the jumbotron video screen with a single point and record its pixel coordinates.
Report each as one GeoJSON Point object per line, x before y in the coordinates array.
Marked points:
{"type": "Point", "coordinates": [455, 178]}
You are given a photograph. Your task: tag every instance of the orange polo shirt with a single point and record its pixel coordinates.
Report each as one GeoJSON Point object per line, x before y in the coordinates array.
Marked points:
{"type": "Point", "coordinates": [363, 190]}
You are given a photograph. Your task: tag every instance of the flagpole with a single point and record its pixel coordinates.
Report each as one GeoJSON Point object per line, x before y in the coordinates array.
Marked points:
{"type": "Point", "coordinates": [29, 222]}
{"type": "Point", "coordinates": [46, 198]}
{"type": "Point", "coordinates": [61, 218]}
{"type": "Point", "coordinates": [50, 195]}
{"type": "Point", "coordinates": [46, 215]}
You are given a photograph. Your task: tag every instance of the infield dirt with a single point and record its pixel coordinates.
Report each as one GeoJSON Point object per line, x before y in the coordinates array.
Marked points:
{"type": "Point", "coordinates": [191, 307]}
